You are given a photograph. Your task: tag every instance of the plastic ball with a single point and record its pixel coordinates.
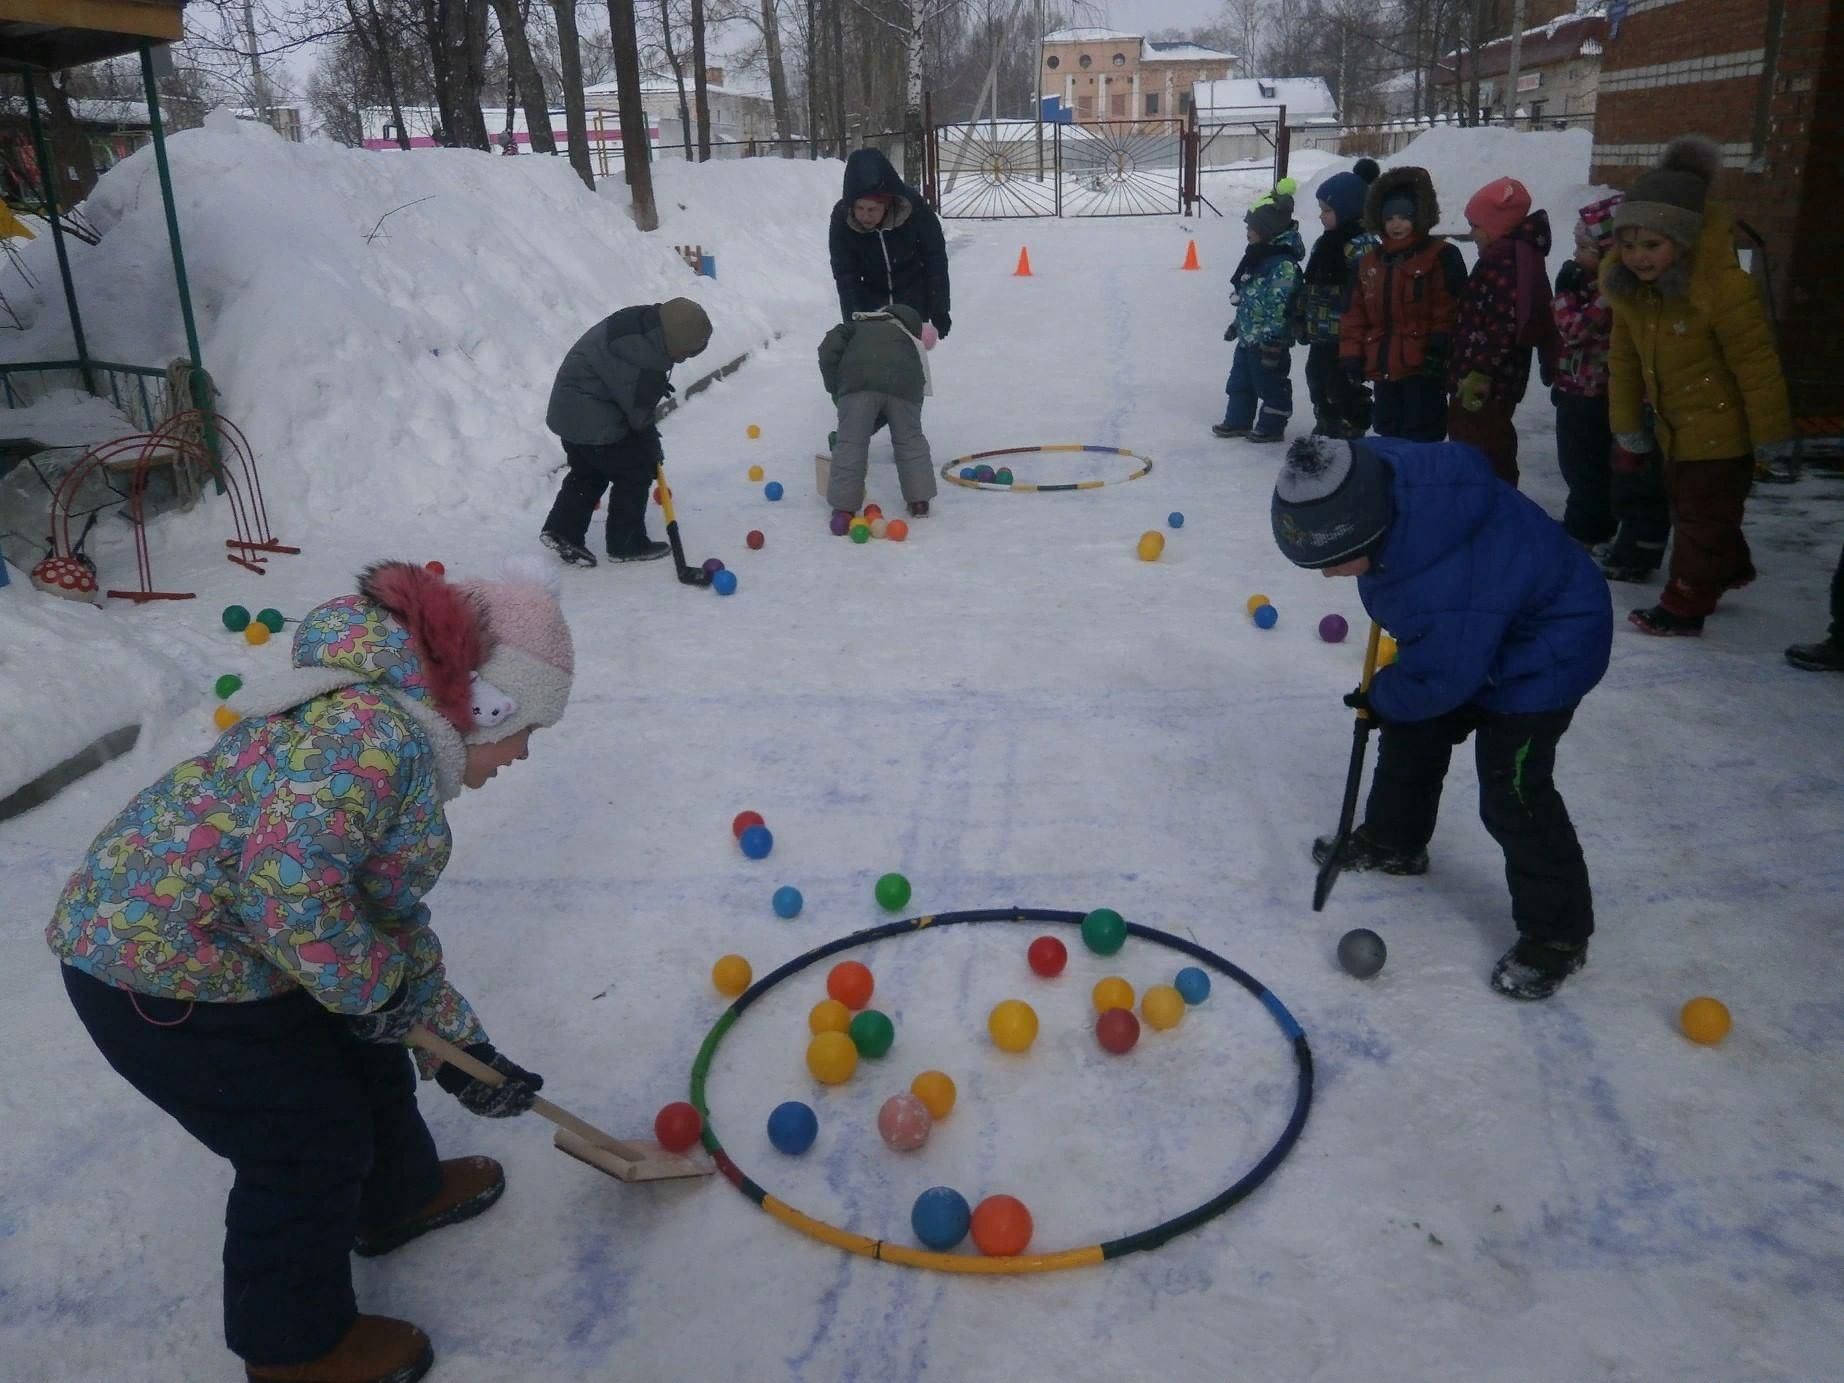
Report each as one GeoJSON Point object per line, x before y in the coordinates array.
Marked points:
{"type": "Point", "coordinates": [756, 473]}
{"type": "Point", "coordinates": [1152, 543]}
{"type": "Point", "coordinates": [840, 523]}
{"type": "Point", "coordinates": [677, 1126]}
{"type": "Point", "coordinates": [984, 474]}
{"type": "Point", "coordinates": [896, 530]}
{"type": "Point", "coordinates": [1174, 520]}
{"type": "Point", "coordinates": [1001, 1227]}
{"type": "Point", "coordinates": [792, 1127]}
{"type": "Point", "coordinates": [940, 1218]}
{"type": "Point", "coordinates": [1386, 651]}
{"type": "Point", "coordinates": [754, 540]}
{"type": "Point", "coordinates": [831, 1058]}
{"type": "Point", "coordinates": [757, 841]}
{"type": "Point", "coordinates": [1117, 1030]}
{"type": "Point", "coordinates": [1266, 617]}
{"type": "Point", "coordinates": [936, 1090]}
{"type": "Point", "coordinates": [713, 565]}
{"type": "Point", "coordinates": [272, 619]}
{"type": "Point", "coordinates": [892, 892]}
{"type": "Point", "coordinates": [658, 498]}
{"type": "Point", "coordinates": [1002, 476]}
{"type": "Point", "coordinates": [850, 983]}
{"type": "Point", "coordinates": [227, 686]}
{"type": "Point", "coordinates": [731, 975]}
{"type": "Point", "coordinates": [1013, 1025]}
{"type": "Point", "coordinates": [879, 527]}
{"type": "Point", "coordinates": [1361, 952]}
{"type": "Point", "coordinates": [904, 1123]}
{"type": "Point", "coordinates": [742, 821]}
{"type": "Point", "coordinates": [1113, 992]}
{"type": "Point", "coordinates": [969, 473]}
{"type": "Point", "coordinates": [1163, 1007]}
{"type": "Point", "coordinates": [753, 431]}
{"type": "Point", "coordinates": [1192, 984]}
{"type": "Point", "coordinates": [435, 568]}
{"type": "Point", "coordinates": [1104, 931]}
{"type": "Point", "coordinates": [1705, 1020]}
{"type": "Point", "coordinates": [224, 717]}
{"type": "Point", "coordinates": [1255, 602]}
{"type": "Point", "coordinates": [1333, 628]}
{"type": "Point", "coordinates": [772, 490]}
{"type": "Point", "coordinates": [872, 1033]}
{"type": "Point", "coordinates": [873, 512]}
{"type": "Point", "coordinates": [235, 618]}
{"type": "Point", "coordinates": [1047, 957]}
{"type": "Point", "coordinates": [257, 634]}
{"type": "Point", "coordinates": [829, 1015]}
{"type": "Point", "coordinates": [724, 583]}
{"type": "Point", "coordinates": [787, 901]}
{"type": "Point", "coordinates": [861, 533]}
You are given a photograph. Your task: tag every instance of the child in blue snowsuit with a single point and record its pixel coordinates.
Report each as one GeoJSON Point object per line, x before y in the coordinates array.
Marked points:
{"type": "Point", "coordinates": [1260, 388]}
{"type": "Point", "coordinates": [1502, 624]}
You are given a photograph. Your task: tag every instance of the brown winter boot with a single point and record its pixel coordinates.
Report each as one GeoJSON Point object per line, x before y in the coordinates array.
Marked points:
{"type": "Point", "coordinates": [376, 1350]}
{"type": "Point", "coordinates": [469, 1186]}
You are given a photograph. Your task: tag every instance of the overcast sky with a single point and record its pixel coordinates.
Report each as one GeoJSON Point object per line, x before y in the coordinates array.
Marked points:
{"type": "Point", "coordinates": [1143, 16]}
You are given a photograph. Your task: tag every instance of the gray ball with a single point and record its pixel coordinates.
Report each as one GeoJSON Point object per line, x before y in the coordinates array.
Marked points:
{"type": "Point", "coordinates": [1361, 952]}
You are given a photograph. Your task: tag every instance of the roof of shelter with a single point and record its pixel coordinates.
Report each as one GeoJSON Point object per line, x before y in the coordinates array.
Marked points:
{"type": "Point", "coordinates": [56, 34]}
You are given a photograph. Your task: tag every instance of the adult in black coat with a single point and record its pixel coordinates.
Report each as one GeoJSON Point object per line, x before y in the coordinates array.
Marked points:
{"type": "Point", "coordinates": [887, 245]}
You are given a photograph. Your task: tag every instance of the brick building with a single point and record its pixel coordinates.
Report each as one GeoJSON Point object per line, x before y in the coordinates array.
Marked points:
{"type": "Point", "coordinates": [1765, 80]}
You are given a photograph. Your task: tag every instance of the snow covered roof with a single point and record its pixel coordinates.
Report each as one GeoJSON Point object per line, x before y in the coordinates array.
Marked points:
{"type": "Point", "coordinates": [1183, 52]}
{"type": "Point", "coordinates": [1564, 37]}
{"type": "Point", "coordinates": [90, 110]}
{"type": "Point", "coordinates": [1304, 97]}
{"type": "Point", "coordinates": [1087, 36]}
{"type": "Point", "coordinates": [653, 84]}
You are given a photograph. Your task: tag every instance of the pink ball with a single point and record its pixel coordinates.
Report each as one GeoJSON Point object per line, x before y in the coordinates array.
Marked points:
{"type": "Point", "coordinates": [1333, 629]}
{"type": "Point", "coordinates": [904, 1122]}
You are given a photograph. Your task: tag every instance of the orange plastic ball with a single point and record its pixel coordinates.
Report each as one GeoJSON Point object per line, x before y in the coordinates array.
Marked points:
{"type": "Point", "coordinates": [832, 1058]}
{"type": "Point", "coordinates": [256, 633]}
{"type": "Point", "coordinates": [753, 431]}
{"type": "Point", "coordinates": [731, 975]}
{"type": "Point", "coordinates": [1001, 1227]}
{"type": "Point", "coordinates": [936, 1090]}
{"type": "Point", "coordinates": [829, 1015]}
{"type": "Point", "coordinates": [435, 568]}
{"type": "Point", "coordinates": [224, 717]}
{"type": "Point", "coordinates": [1162, 1007]}
{"type": "Point", "coordinates": [756, 473]}
{"type": "Point", "coordinates": [1705, 1020]}
{"type": "Point", "coordinates": [1255, 602]}
{"type": "Point", "coordinates": [1113, 992]}
{"type": "Point", "coordinates": [1386, 651]}
{"type": "Point", "coordinates": [851, 984]}
{"type": "Point", "coordinates": [896, 530]}
{"type": "Point", "coordinates": [1152, 543]}
{"type": "Point", "coordinates": [1013, 1025]}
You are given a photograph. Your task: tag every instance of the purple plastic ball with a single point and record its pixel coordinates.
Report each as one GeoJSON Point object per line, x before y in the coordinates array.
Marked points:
{"type": "Point", "coordinates": [985, 474]}
{"type": "Point", "coordinates": [841, 522]}
{"type": "Point", "coordinates": [713, 565]}
{"type": "Point", "coordinates": [1333, 629]}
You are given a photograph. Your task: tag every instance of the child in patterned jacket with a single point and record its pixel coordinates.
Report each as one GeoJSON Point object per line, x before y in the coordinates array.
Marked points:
{"type": "Point", "coordinates": [1341, 406]}
{"type": "Point", "coordinates": [1265, 283]}
{"type": "Point", "coordinates": [246, 943]}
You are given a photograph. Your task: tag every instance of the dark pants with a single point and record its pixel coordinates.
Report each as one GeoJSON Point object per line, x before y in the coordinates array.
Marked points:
{"type": "Point", "coordinates": [322, 1130]}
{"type": "Point", "coordinates": [1340, 407]}
{"type": "Point", "coordinates": [625, 469]}
{"type": "Point", "coordinates": [1518, 802]}
{"type": "Point", "coordinates": [1837, 602]}
{"type": "Point", "coordinates": [1489, 428]}
{"type": "Point", "coordinates": [1414, 409]}
{"type": "Point", "coordinates": [1709, 555]}
{"type": "Point", "coordinates": [1584, 453]}
{"type": "Point", "coordinates": [1644, 516]}
{"type": "Point", "coordinates": [1253, 382]}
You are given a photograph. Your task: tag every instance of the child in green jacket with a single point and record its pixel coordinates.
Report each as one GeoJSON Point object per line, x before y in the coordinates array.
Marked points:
{"type": "Point", "coordinates": [875, 368]}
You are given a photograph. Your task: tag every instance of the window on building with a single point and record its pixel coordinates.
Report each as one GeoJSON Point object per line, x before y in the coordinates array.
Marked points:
{"type": "Point", "coordinates": [1053, 62]}
{"type": "Point", "coordinates": [1152, 103]}
{"type": "Point", "coordinates": [1085, 108]}
{"type": "Point", "coordinates": [1536, 110]}
{"type": "Point", "coordinates": [1119, 59]}
{"type": "Point", "coordinates": [1184, 103]}
{"type": "Point", "coordinates": [1085, 62]}
{"type": "Point", "coordinates": [1117, 107]}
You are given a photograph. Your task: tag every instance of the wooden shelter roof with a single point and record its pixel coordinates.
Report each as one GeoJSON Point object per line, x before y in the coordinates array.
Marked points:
{"type": "Point", "coordinates": [56, 34]}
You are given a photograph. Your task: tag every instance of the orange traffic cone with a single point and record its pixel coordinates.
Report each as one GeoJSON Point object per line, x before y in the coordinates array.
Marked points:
{"type": "Point", "coordinates": [1190, 256]}
{"type": "Point", "coordinates": [1023, 271]}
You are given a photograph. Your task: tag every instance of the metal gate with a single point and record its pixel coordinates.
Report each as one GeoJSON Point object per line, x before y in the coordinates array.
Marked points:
{"type": "Point", "coordinates": [996, 169]}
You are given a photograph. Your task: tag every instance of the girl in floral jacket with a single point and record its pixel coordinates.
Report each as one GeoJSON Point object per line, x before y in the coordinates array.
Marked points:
{"type": "Point", "coordinates": [246, 943]}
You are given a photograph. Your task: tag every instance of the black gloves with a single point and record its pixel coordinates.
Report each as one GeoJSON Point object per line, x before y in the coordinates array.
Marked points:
{"type": "Point", "coordinates": [391, 1022]}
{"type": "Point", "coordinates": [1359, 700]}
{"type": "Point", "coordinates": [943, 324]}
{"type": "Point", "coordinates": [1229, 332]}
{"type": "Point", "coordinates": [513, 1096]}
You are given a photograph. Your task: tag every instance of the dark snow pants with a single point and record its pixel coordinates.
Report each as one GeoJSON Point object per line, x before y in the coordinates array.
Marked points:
{"type": "Point", "coordinates": [1260, 392]}
{"type": "Point", "coordinates": [626, 469]}
{"type": "Point", "coordinates": [1518, 802]}
{"type": "Point", "coordinates": [1490, 429]}
{"type": "Point", "coordinates": [1414, 409]}
{"type": "Point", "coordinates": [1709, 555]}
{"type": "Point", "coordinates": [1584, 454]}
{"type": "Point", "coordinates": [1340, 407]}
{"type": "Point", "coordinates": [322, 1130]}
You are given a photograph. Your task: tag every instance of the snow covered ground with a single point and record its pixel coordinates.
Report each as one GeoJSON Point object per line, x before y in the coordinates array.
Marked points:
{"type": "Point", "coordinates": [1010, 709]}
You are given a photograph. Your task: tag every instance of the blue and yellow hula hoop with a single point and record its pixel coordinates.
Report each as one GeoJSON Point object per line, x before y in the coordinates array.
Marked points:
{"type": "Point", "coordinates": [951, 471]}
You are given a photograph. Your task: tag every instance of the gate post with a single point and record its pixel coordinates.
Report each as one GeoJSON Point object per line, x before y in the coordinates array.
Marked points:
{"type": "Point", "coordinates": [1283, 143]}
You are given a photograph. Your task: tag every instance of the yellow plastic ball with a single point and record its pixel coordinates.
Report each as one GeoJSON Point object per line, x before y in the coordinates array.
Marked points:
{"type": "Point", "coordinates": [753, 431]}
{"type": "Point", "coordinates": [1113, 992]}
{"type": "Point", "coordinates": [829, 1015]}
{"type": "Point", "coordinates": [1152, 543]}
{"type": "Point", "coordinates": [832, 1058]}
{"type": "Point", "coordinates": [1256, 601]}
{"type": "Point", "coordinates": [1162, 1007]}
{"type": "Point", "coordinates": [936, 1090]}
{"type": "Point", "coordinates": [224, 717]}
{"type": "Point", "coordinates": [756, 472]}
{"type": "Point", "coordinates": [731, 975]}
{"type": "Point", "coordinates": [1705, 1020]}
{"type": "Point", "coordinates": [256, 633]}
{"type": "Point", "coordinates": [1386, 651]}
{"type": "Point", "coordinates": [1013, 1025]}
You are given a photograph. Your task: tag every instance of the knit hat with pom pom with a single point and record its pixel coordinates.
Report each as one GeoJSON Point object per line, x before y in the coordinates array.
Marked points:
{"type": "Point", "coordinates": [524, 683]}
{"type": "Point", "coordinates": [1669, 198]}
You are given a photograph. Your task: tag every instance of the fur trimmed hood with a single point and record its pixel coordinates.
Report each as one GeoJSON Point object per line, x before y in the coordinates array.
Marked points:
{"type": "Point", "coordinates": [1417, 183]}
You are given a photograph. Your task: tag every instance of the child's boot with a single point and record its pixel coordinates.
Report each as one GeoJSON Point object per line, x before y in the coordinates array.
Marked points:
{"type": "Point", "coordinates": [470, 1185]}
{"type": "Point", "coordinates": [1363, 854]}
{"type": "Point", "coordinates": [377, 1349]}
{"type": "Point", "coordinates": [1225, 431]}
{"type": "Point", "coordinates": [1827, 655]}
{"type": "Point", "coordinates": [918, 509]}
{"type": "Point", "coordinates": [572, 552]}
{"type": "Point", "coordinates": [1660, 621]}
{"type": "Point", "coordinates": [1536, 969]}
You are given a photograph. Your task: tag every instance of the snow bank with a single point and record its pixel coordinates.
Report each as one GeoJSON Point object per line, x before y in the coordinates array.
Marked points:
{"type": "Point", "coordinates": [1553, 164]}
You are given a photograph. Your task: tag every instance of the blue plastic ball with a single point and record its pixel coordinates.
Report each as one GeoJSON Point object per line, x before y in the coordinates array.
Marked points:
{"type": "Point", "coordinates": [1192, 984]}
{"type": "Point", "coordinates": [940, 1218]}
{"type": "Point", "coordinates": [792, 1127]}
{"type": "Point", "coordinates": [788, 901]}
{"type": "Point", "coordinates": [724, 582]}
{"type": "Point", "coordinates": [772, 490]}
{"type": "Point", "coordinates": [1175, 519]}
{"type": "Point", "coordinates": [967, 473]}
{"type": "Point", "coordinates": [1266, 616]}
{"type": "Point", "coordinates": [757, 842]}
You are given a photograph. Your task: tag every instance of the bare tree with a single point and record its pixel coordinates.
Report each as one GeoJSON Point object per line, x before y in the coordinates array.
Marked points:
{"type": "Point", "coordinates": [456, 32]}
{"type": "Point", "coordinates": [635, 148]}
{"type": "Point", "coordinates": [777, 77]}
{"type": "Point", "coordinates": [678, 76]}
{"type": "Point", "coordinates": [576, 122]}
{"type": "Point", "coordinates": [525, 76]}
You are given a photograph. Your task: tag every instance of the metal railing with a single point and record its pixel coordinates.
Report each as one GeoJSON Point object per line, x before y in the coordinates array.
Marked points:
{"type": "Point", "coordinates": [996, 169]}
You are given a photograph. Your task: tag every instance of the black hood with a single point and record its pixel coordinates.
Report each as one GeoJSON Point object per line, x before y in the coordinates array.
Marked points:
{"type": "Point", "coordinates": [868, 171]}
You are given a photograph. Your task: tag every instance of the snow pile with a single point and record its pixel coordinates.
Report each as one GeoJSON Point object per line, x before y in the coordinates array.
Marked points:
{"type": "Point", "coordinates": [1553, 164]}
{"type": "Point", "coordinates": [66, 418]}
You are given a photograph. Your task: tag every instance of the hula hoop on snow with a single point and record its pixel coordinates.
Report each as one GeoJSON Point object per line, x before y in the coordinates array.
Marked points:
{"type": "Point", "coordinates": [1021, 1263]}
{"type": "Point", "coordinates": [951, 471]}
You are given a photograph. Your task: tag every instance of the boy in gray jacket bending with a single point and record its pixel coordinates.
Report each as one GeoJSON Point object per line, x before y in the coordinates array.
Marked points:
{"type": "Point", "coordinates": [875, 371]}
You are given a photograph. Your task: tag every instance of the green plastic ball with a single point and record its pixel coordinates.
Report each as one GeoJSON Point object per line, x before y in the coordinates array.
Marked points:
{"type": "Point", "coordinates": [861, 533]}
{"type": "Point", "coordinates": [872, 1033]}
{"type": "Point", "coordinates": [226, 686]}
{"type": "Point", "coordinates": [1104, 931]}
{"type": "Point", "coordinates": [272, 618]}
{"type": "Point", "coordinates": [1003, 476]}
{"type": "Point", "coordinates": [236, 618]}
{"type": "Point", "coordinates": [893, 892]}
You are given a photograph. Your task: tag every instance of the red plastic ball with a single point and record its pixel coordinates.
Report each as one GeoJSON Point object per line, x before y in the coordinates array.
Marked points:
{"type": "Point", "coordinates": [1048, 956]}
{"type": "Point", "coordinates": [1117, 1030]}
{"type": "Point", "coordinates": [1001, 1227]}
{"type": "Point", "coordinates": [436, 568]}
{"type": "Point", "coordinates": [656, 495]}
{"type": "Point", "coordinates": [850, 983]}
{"type": "Point", "coordinates": [677, 1126]}
{"type": "Point", "coordinates": [743, 821]}
{"type": "Point", "coordinates": [754, 540]}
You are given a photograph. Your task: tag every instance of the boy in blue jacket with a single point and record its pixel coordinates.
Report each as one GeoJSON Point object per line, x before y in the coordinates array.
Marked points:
{"type": "Point", "coordinates": [1260, 386]}
{"type": "Point", "coordinates": [1502, 625]}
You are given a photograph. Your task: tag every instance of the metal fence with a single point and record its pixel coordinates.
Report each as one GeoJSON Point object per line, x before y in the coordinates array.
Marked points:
{"type": "Point", "coordinates": [997, 169]}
